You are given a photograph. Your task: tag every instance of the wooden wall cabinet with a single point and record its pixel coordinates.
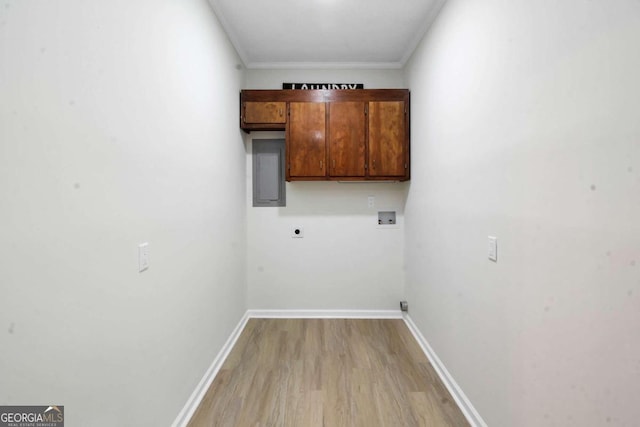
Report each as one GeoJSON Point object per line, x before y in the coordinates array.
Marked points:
{"type": "Point", "coordinates": [263, 115]}
{"type": "Point", "coordinates": [386, 139]}
{"type": "Point", "coordinates": [306, 148]}
{"type": "Point", "coordinates": [336, 134]}
{"type": "Point", "coordinates": [347, 140]}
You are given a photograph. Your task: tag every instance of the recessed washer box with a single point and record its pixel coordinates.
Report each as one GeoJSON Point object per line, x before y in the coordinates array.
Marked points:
{"type": "Point", "coordinates": [387, 218]}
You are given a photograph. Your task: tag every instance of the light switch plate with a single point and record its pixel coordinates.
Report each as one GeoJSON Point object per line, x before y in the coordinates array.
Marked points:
{"type": "Point", "coordinates": [143, 257]}
{"type": "Point", "coordinates": [493, 248]}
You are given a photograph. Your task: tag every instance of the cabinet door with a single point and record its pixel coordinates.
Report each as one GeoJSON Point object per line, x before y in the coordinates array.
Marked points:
{"type": "Point", "coordinates": [306, 140]}
{"type": "Point", "coordinates": [264, 112]}
{"type": "Point", "coordinates": [346, 139]}
{"type": "Point", "coordinates": [387, 142]}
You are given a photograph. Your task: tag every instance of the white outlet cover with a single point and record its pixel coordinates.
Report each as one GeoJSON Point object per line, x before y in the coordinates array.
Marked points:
{"type": "Point", "coordinates": [371, 201]}
{"type": "Point", "coordinates": [143, 257]}
{"type": "Point", "coordinates": [493, 248]}
{"type": "Point", "coordinates": [297, 232]}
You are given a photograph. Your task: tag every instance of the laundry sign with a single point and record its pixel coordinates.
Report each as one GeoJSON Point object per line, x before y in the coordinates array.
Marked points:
{"type": "Point", "coordinates": [323, 86]}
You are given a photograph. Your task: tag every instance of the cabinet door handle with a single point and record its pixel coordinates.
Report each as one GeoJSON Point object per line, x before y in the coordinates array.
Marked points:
{"type": "Point", "coordinates": [374, 163]}
{"type": "Point", "coordinates": [334, 163]}
{"type": "Point", "coordinates": [280, 112]}
{"type": "Point", "coordinates": [320, 164]}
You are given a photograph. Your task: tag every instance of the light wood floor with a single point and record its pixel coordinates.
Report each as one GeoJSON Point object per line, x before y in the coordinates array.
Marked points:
{"type": "Point", "coordinates": [327, 372]}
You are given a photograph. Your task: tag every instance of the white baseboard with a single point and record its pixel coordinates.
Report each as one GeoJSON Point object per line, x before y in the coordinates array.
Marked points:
{"type": "Point", "coordinates": [456, 392]}
{"type": "Point", "coordinates": [192, 404]}
{"type": "Point", "coordinates": [325, 314]}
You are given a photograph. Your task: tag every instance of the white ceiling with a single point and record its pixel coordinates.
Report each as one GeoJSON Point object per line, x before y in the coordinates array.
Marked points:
{"type": "Point", "coordinates": [325, 33]}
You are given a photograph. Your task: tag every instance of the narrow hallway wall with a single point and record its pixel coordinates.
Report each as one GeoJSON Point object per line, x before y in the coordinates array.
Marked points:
{"type": "Point", "coordinates": [525, 127]}
{"type": "Point", "coordinates": [117, 127]}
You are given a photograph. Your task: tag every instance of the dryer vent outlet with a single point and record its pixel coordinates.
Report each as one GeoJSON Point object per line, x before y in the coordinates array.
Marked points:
{"type": "Point", "coordinates": [404, 306]}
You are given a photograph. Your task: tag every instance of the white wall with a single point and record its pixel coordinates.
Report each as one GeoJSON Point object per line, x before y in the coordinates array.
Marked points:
{"type": "Point", "coordinates": [345, 261]}
{"type": "Point", "coordinates": [525, 126]}
{"type": "Point", "coordinates": [115, 129]}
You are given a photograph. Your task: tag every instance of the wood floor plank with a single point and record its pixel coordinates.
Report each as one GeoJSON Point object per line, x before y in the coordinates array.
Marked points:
{"type": "Point", "coordinates": [327, 372]}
